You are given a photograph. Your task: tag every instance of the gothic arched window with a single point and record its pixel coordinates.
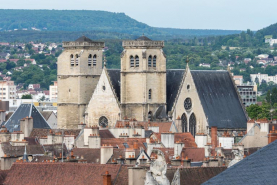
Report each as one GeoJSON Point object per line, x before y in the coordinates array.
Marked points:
{"type": "Point", "coordinates": [132, 61]}
{"type": "Point", "coordinates": [192, 124]}
{"type": "Point", "coordinates": [71, 60]}
{"type": "Point", "coordinates": [154, 61]}
{"type": "Point", "coordinates": [184, 123]}
{"type": "Point", "coordinates": [103, 121]}
{"type": "Point", "coordinates": [77, 60]}
{"type": "Point", "coordinates": [150, 94]}
{"type": "Point", "coordinates": [137, 61]}
{"type": "Point", "coordinates": [150, 61]}
{"type": "Point", "coordinates": [94, 60]}
{"type": "Point", "coordinates": [89, 60]}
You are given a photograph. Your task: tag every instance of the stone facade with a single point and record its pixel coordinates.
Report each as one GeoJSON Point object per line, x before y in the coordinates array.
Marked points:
{"type": "Point", "coordinates": [188, 90]}
{"type": "Point", "coordinates": [78, 75]}
{"type": "Point", "coordinates": [103, 103]}
{"type": "Point", "coordinates": [143, 85]}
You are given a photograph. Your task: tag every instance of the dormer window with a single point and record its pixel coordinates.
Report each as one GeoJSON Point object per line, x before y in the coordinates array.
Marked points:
{"type": "Point", "coordinates": [71, 60]}
{"type": "Point", "coordinates": [154, 61]}
{"type": "Point", "coordinates": [132, 61]}
{"type": "Point", "coordinates": [137, 61]}
{"type": "Point", "coordinates": [89, 60]}
{"type": "Point", "coordinates": [150, 61]}
{"type": "Point", "coordinates": [77, 60]}
{"type": "Point", "coordinates": [94, 60]}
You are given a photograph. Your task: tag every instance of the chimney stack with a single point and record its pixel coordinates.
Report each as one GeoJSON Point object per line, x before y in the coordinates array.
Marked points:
{"type": "Point", "coordinates": [214, 137]}
{"type": "Point", "coordinates": [107, 179]}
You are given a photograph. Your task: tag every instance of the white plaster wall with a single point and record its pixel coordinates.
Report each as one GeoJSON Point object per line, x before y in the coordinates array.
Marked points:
{"type": "Point", "coordinates": [201, 140]}
{"type": "Point", "coordinates": [167, 139]}
{"type": "Point", "coordinates": [226, 142]}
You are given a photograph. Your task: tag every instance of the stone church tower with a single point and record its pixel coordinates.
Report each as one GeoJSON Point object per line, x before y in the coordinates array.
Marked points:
{"type": "Point", "coordinates": [143, 78]}
{"type": "Point", "coordinates": [79, 69]}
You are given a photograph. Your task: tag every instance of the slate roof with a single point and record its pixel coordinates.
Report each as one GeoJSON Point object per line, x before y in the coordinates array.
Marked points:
{"type": "Point", "coordinates": [258, 168]}
{"type": "Point", "coordinates": [105, 134]}
{"type": "Point", "coordinates": [219, 99]}
{"type": "Point", "coordinates": [173, 80]}
{"type": "Point", "coordinates": [83, 39]}
{"type": "Point", "coordinates": [65, 173]}
{"type": "Point", "coordinates": [143, 38]}
{"type": "Point", "coordinates": [92, 155]}
{"type": "Point", "coordinates": [195, 154]}
{"type": "Point", "coordinates": [115, 80]}
{"type": "Point", "coordinates": [44, 132]}
{"type": "Point", "coordinates": [25, 110]}
{"type": "Point", "coordinates": [194, 176]}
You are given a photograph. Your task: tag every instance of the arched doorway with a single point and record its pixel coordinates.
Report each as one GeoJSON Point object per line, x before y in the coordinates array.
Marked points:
{"type": "Point", "coordinates": [184, 123]}
{"type": "Point", "coordinates": [192, 124]}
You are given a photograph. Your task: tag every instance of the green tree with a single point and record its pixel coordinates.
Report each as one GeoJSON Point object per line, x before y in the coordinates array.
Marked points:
{"type": "Point", "coordinates": [268, 96]}
{"type": "Point", "coordinates": [26, 96]}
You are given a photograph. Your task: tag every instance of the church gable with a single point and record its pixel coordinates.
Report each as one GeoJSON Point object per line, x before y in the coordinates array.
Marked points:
{"type": "Point", "coordinates": [188, 108]}
{"type": "Point", "coordinates": [219, 99]}
{"type": "Point", "coordinates": [103, 107]}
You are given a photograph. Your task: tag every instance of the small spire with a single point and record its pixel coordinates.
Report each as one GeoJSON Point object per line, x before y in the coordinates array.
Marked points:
{"type": "Point", "coordinates": [187, 61]}
{"type": "Point", "coordinates": [105, 61]}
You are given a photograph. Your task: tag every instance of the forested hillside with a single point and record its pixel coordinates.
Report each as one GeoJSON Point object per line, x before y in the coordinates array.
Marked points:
{"type": "Point", "coordinates": [87, 20]}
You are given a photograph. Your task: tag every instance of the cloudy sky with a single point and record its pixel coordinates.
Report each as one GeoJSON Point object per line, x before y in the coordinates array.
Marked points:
{"type": "Point", "coordinates": [194, 14]}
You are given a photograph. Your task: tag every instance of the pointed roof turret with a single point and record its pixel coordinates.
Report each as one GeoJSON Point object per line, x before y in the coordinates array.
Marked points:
{"type": "Point", "coordinates": [25, 156]}
{"type": "Point", "coordinates": [143, 38]}
{"type": "Point", "coordinates": [83, 39]}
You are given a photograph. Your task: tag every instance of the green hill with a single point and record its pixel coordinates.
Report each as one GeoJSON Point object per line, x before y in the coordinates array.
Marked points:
{"type": "Point", "coordinates": [87, 20]}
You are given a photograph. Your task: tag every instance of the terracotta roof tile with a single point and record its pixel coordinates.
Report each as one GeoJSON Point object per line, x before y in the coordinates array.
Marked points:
{"type": "Point", "coordinates": [65, 173]}
{"type": "Point", "coordinates": [92, 155]}
{"type": "Point", "coordinates": [44, 132]}
{"type": "Point", "coordinates": [185, 138]}
{"type": "Point", "coordinates": [118, 142]}
{"type": "Point", "coordinates": [195, 154]}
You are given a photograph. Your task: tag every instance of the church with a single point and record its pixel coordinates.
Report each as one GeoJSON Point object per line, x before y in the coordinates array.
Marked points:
{"type": "Point", "coordinates": [143, 89]}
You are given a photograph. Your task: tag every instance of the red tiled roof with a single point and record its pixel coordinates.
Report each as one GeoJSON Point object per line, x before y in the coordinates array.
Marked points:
{"type": "Point", "coordinates": [38, 132]}
{"type": "Point", "coordinates": [185, 138]}
{"type": "Point", "coordinates": [65, 173]}
{"type": "Point", "coordinates": [105, 134]}
{"type": "Point", "coordinates": [195, 154]}
{"type": "Point", "coordinates": [163, 126]}
{"type": "Point", "coordinates": [118, 142]}
{"type": "Point", "coordinates": [92, 155]}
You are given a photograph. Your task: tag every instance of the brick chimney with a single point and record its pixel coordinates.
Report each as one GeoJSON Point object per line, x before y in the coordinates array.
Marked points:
{"type": "Point", "coordinates": [107, 179]}
{"type": "Point", "coordinates": [214, 137]}
{"type": "Point", "coordinates": [272, 136]}
{"type": "Point", "coordinates": [136, 145]}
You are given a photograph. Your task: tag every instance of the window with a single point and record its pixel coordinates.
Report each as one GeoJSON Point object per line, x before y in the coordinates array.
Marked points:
{"type": "Point", "coordinates": [94, 60]}
{"type": "Point", "coordinates": [103, 121]}
{"type": "Point", "coordinates": [150, 94]}
{"type": "Point", "coordinates": [71, 60]}
{"type": "Point", "coordinates": [137, 61]}
{"type": "Point", "coordinates": [77, 60]}
{"type": "Point", "coordinates": [89, 60]}
{"type": "Point", "coordinates": [132, 61]}
{"type": "Point", "coordinates": [154, 61]}
{"type": "Point", "coordinates": [150, 61]}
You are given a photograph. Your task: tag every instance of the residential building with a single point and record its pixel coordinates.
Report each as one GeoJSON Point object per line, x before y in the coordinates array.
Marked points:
{"type": "Point", "coordinates": [263, 78]}
{"type": "Point", "coordinates": [238, 79]}
{"type": "Point", "coordinates": [205, 65]}
{"type": "Point", "coordinates": [7, 90]}
{"type": "Point", "coordinates": [34, 86]}
{"type": "Point", "coordinates": [248, 94]}
{"type": "Point", "coordinates": [53, 90]}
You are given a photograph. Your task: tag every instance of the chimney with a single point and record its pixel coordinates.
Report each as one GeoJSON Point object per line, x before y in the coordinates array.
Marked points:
{"type": "Point", "coordinates": [107, 179]}
{"type": "Point", "coordinates": [136, 145]}
{"type": "Point", "coordinates": [26, 126]}
{"type": "Point", "coordinates": [167, 139]}
{"type": "Point", "coordinates": [178, 146]}
{"type": "Point", "coordinates": [214, 137]}
{"type": "Point", "coordinates": [2, 116]}
{"type": "Point", "coordinates": [106, 153]}
{"type": "Point", "coordinates": [272, 136]}
{"type": "Point", "coordinates": [94, 141]}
